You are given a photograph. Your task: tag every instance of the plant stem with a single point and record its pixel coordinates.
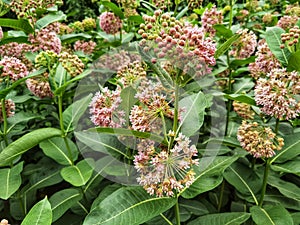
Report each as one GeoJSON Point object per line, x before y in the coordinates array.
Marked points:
{"type": "Point", "coordinates": [230, 13]}
{"type": "Point", "coordinates": [221, 196]}
{"type": "Point", "coordinates": [4, 117]}
{"type": "Point", "coordinates": [177, 212]}
{"type": "Point", "coordinates": [264, 186]}
{"type": "Point", "coordinates": [166, 219]}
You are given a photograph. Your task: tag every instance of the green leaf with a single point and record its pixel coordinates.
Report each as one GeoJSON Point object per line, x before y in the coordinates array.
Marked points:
{"type": "Point", "coordinates": [40, 214]}
{"type": "Point", "coordinates": [56, 149]}
{"type": "Point", "coordinates": [63, 200]}
{"type": "Point", "coordinates": [193, 117]}
{"type": "Point", "coordinates": [50, 18]}
{"type": "Point", "coordinates": [128, 205]}
{"type": "Point", "coordinates": [26, 142]}
{"type": "Point", "coordinates": [271, 215]}
{"type": "Point", "coordinates": [11, 180]}
{"type": "Point", "coordinates": [288, 189]}
{"type": "Point", "coordinates": [19, 24]}
{"type": "Point", "coordinates": [128, 100]}
{"type": "Point", "coordinates": [294, 61]}
{"type": "Point", "coordinates": [73, 113]}
{"type": "Point", "coordinates": [137, 19]}
{"type": "Point", "coordinates": [275, 197]}
{"type": "Point", "coordinates": [290, 149]}
{"type": "Point", "coordinates": [242, 85]}
{"type": "Point", "coordinates": [113, 7]}
{"type": "Point", "coordinates": [241, 98]}
{"type": "Point", "coordinates": [232, 218]}
{"type": "Point", "coordinates": [243, 179]}
{"type": "Point", "coordinates": [70, 38]}
{"type": "Point", "coordinates": [225, 46]}
{"type": "Point", "coordinates": [209, 167]}
{"type": "Point", "coordinates": [194, 207]}
{"type": "Point", "coordinates": [222, 30]}
{"type": "Point", "coordinates": [241, 62]}
{"type": "Point", "coordinates": [80, 174]}
{"type": "Point", "coordinates": [292, 166]}
{"type": "Point", "coordinates": [273, 38]}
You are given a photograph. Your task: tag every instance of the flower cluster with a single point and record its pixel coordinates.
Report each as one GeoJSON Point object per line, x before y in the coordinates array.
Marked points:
{"type": "Point", "coordinates": [87, 47]}
{"type": "Point", "coordinates": [89, 24]}
{"type": "Point", "coordinates": [245, 46]}
{"type": "Point", "coordinates": [276, 93]}
{"type": "Point", "coordinates": [182, 44]}
{"type": "Point", "coordinates": [293, 9]}
{"type": "Point", "coordinates": [287, 22]}
{"type": "Point", "coordinates": [104, 109]}
{"type": "Point", "coordinates": [13, 68]}
{"type": "Point", "coordinates": [45, 59]}
{"type": "Point", "coordinates": [242, 14]}
{"type": "Point", "coordinates": [72, 64]}
{"type": "Point", "coordinates": [131, 74]}
{"type": "Point", "coordinates": [40, 86]}
{"type": "Point", "coordinates": [291, 38]}
{"type": "Point", "coordinates": [129, 7]}
{"type": "Point", "coordinates": [162, 4]}
{"type": "Point", "coordinates": [265, 61]}
{"type": "Point", "coordinates": [165, 172]}
{"type": "Point", "coordinates": [194, 4]}
{"type": "Point", "coordinates": [259, 141]}
{"type": "Point", "coordinates": [243, 110]}
{"type": "Point", "coordinates": [44, 40]}
{"type": "Point", "coordinates": [210, 18]}
{"type": "Point", "coordinates": [4, 222]}
{"type": "Point", "coordinates": [110, 23]}
{"type": "Point", "coordinates": [9, 109]}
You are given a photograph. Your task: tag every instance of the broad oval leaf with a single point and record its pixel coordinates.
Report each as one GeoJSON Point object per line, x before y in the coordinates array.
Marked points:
{"type": "Point", "coordinates": [50, 18]}
{"type": "Point", "coordinates": [233, 218]}
{"type": "Point", "coordinates": [291, 166]}
{"type": "Point", "coordinates": [62, 201]}
{"type": "Point", "coordinates": [78, 175]}
{"type": "Point", "coordinates": [25, 143]}
{"type": "Point", "coordinates": [273, 38]}
{"type": "Point", "coordinates": [11, 180]}
{"type": "Point", "coordinates": [128, 205]}
{"type": "Point", "coordinates": [271, 215]}
{"type": "Point", "coordinates": [56, 149]}
{"type": "Point", "coordinates": [288, 189]}
{"type": "Point", "coordinates": [40, 214]}
{"type": "Point", "coordinates": [19, 24]}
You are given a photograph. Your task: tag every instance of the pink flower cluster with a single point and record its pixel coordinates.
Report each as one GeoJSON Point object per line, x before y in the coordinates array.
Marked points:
{"type": "Point", "coordinates": [13, 68]}
{"type": "Point", "coordinates": [276, 94]}
{"type": "Point", "coordinates": [181, 43]}
{"type": "Point", "coordinates": [245, 46]}
{"type": "Point", "coordinates": [209, 18]}
{"type": "Point", "coordinates": [265, 61]}
{"type": "Point", "coordinates": [287, 22]}
{"type": "Point", "coordinates": [9, 108]}
{"type": "Point", "coordinates": [163, 171]}
{"type": "Point", "coordinates": [162, 4]}
{"type": "Point", "coordinates": [39, 86]}
{"type": "Point", "coordinates": [104, 109]}
{"type": "Point", "coordinates": [110, 23]}
{"type": "Point", "coordinates": [87, 47]}
{"type": "Point", "coordinates": [259, 141]}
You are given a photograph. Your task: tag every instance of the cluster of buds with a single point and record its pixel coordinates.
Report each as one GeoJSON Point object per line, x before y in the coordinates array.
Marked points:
{"type": "Point", "coordinates": [45, 59]}
{"type": "Point", "coordinates": [183, 45]}
{"type": "Point", "coordinates": [293, 9]}
{"type": "Point", "coordinates": [209, 18]}
{"type": "Point", "coordinates": [243, 110]}
{"type": "Point", "coordinates": [194, 4]}
{"type": "Point", "coordinates": [242, 14]}
{"type": "Point", "coordinates": [162, 4]}
{"type": "Point", "coordinates": [9, 110]}
{"type": "Point", "coordinates": [129, 7]}
{"type": "Point", "coordinates": [64, 29]}
{"type": "Point", "coordinates": [44, 40]}
{"type": "Point", "coordinates": [110, 23]}
{"type": "Point", "coordinates": [259, 141]}
{"type": "Point", "coordinates": [131, 74]}
{"type": "Point", "coordinates": [276, 93]}
{"type": "Point", "coordinates": [163, 171]}
{"type": "Point", "coordinates": [291, 38]}
{"type": "Point", "coordinates": [252, 4]}
{"type": "Point", "coordinates": [287, 22]}
{"type": "Point", "coordinates": [104, 109]}
{"type": "Point", "coordinates": [72, 64]}
{"type": "Point", "coordinates": [267, 18]}
{"type": "Point", "coordinates": [13, 68]}
{"type": "Point", "coordinates": [87, 47]}
{"type": "Point", "coordinates": [89, 24]}
{"type": "Point", "coordinates": [265, 61]}
{"type": "Point", "coordinates": [40, 86]}
{"type": "Point", "coordinates": [4, 222]}
{"type": "Point", "coordinates": [245, 46]}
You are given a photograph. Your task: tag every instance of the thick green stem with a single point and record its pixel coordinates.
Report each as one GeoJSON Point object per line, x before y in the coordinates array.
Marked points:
{"type": "Point", "coordinates": [177, 212]}
{"type": "Point", "coordinates": [265, 181]}
{"type": "Point", "coordinates": [4, 118]}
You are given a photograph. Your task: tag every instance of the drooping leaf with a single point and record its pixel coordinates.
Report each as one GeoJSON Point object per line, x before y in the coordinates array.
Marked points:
{"type": "Point", "coordinates": [56, 149]}
{"type": "Point", "coordinates": [62, 201]}
{"type": "Point", "coordinates": [128, 100]}
{"type": "Point", "coordinates": [273, 38]}
{"type": "Point", "coordinates": [241, 98]}
{"type": "Point", "coordinates": [232, 218]}
{"type": "Point", "coordinates": [50, 18]}
{"type": "Point", "coordinates": [222, 30]}
{"type": "Point", "coordinates": [291, 166]}
{"type": "Point", "coordinates": [225, 46]}
{"type": "Point", "coordinates": [11, 180]}
{"type": "Point", "coordinates": [78, 174]}
{"type": "Point", "coordinates": [26, 142]}
{"type": "Point", "coordinates": [271, 215]}
{"type": "Point", "coordinates": [70, 38]}
{"type": "Point", "coordinates": [40, 214]}
{"type": "Point", "coordinates": [73, 113]}
{"type": "Point", "coordinates": [128, 205]}
{"type": "Point", "coordinates": [113, 7]}
{"type": "Point", "coordinates": [209, 167]}
{"type": "Point", "coordinates": [19, 24]}
{"type": "Point", "coordinates": [286, 188]}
